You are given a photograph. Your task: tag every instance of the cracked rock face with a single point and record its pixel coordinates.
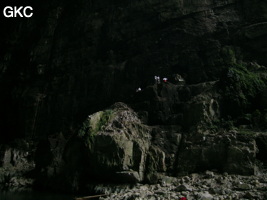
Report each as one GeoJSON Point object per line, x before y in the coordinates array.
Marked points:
{"type": "Point", "coordinates": [226, 152]}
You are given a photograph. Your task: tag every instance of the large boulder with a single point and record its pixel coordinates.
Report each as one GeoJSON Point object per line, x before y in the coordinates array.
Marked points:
{"type": "Point", "coordinates": [115, 144]}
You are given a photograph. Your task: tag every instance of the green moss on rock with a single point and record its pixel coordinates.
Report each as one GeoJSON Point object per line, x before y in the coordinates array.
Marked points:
{"type": "Point", "coordinates": [240, 86]}
{"type": "Point", "coordinates": [93, 124]}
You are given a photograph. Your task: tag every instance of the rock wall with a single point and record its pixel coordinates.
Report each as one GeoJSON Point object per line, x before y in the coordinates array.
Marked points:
{"type": "Point", "coordinates": [233, 152]}
{"type": "Point", "coordinates": [75, 58]}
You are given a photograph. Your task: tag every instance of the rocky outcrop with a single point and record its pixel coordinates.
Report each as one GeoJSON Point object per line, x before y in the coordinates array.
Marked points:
{"type": "Point", "coordinates": [114, 145]}
{"type": "Point", "coordinates": [232, 152]}
{"type": "Point", "coordinates": [171, 132]}
{"type": "Point", "coordinates": [117, 147]}
{"type": "Point", "coordinates": [178, 105]}
{"type": "Point", "coordinates": [16, 163]}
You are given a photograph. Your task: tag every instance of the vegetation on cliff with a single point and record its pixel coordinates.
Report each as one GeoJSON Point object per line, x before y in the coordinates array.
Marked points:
{"type": "Point", "coordinates": [93, 124]}
{"type": "Point", "coordinates": [240, 89]}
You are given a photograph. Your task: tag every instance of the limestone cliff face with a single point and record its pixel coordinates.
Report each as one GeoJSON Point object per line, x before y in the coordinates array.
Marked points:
{"type": "Point", "coordinates": [76, 57]}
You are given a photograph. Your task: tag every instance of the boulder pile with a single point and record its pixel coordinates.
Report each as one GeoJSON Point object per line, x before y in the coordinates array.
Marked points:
{"type": "Point", "coordinates": [206, 186]}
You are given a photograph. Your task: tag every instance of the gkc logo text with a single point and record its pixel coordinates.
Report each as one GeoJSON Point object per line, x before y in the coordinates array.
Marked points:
{"type": "Point", "coordinates": [21, 11]}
